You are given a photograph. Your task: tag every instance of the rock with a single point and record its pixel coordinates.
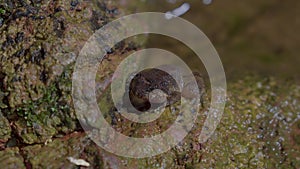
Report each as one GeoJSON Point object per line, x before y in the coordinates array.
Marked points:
{"type": "Point", "coordinates": [55, 153]}
{"type": "Point", "coordinates": [251, 110]}
{"type": "Point", "coordinates": [11, 159]}
{"type": "Point", "coordinates": [39, 44]}
{"type": "Point", "coordinates": [5, 130]}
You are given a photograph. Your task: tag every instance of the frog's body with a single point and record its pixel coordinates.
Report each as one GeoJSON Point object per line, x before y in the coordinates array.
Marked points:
{"type": "Point", "coordinates": [145, 82]}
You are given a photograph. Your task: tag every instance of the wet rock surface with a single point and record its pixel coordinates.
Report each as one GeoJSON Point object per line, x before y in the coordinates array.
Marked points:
{"type": "Point", "coordinates": [11, 158]}
{"type": "Point", "coordinates": [259, 129]}
{"type": "Point", "coordinates": [257, 125]}
{"type": "Point", "coordinates": [39, 43]}
{"type": "Point", "coordinates": [5, 129]}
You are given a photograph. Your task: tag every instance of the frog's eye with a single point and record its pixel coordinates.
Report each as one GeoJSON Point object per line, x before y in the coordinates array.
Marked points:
{"type": "Point", "coordinates": [164, 83]}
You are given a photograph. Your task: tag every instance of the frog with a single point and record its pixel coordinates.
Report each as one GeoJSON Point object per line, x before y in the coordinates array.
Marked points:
{"type": "Point", "coordinates": [153, 87]}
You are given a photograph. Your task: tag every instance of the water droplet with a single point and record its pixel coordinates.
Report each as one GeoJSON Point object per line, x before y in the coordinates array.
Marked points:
{"type": "Point", "coordinates": [207, 2]}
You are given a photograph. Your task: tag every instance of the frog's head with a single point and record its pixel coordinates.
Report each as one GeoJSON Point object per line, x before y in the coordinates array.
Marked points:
{"type": "Point", "coordinates": [152, 88]}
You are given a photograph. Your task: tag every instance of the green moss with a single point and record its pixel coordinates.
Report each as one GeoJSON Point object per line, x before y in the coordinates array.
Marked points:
{"type": "Point", "coordinates": [11, 158]}
{"type": "Point", "coordinates": [5, 130]}
{"type": "Point", "coordinates": [2, 11]}
{"type": "Point", "coordinates": [2, 96]}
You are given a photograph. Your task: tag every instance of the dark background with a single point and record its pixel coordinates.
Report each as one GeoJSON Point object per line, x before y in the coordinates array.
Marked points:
{"type": "Point", "coordinates": [252, 37]}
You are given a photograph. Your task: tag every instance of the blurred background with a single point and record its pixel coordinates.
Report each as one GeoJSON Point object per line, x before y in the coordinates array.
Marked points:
{"type": "Point", "coordinates": [252, 37]}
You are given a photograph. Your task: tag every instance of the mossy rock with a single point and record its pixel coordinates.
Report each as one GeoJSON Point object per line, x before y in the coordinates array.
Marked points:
{"type": "Point", "coordinates": [39, 45]}
{"type": "Point", "coordinates": [253, 133]}
{"type": "Point", "coordinates": [257, 131]}
{"type": "Point", "coordinates": [55, 154]}
{"type": "Point", "coordinates": [11, 159]}
{"type": "Point", "coordinates": [5, 130]}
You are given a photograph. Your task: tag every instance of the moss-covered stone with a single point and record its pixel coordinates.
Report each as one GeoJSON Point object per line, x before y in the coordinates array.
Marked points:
{"type": "Point", "coordinates": [253, 133]}
{"type": "Point", "coordinates": [11, 159]}
{"type": "Point", "coordinates": [39, 44]}
{"type": "Point", "coordinates": [5, 130]}
{"type": "Point", "coordinates": [54, 154]}
{"type": "Point", "coordinates": [258, 130]}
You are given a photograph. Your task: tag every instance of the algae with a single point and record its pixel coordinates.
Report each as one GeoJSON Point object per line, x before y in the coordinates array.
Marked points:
{"type": "Point", "coordinates": [11, 158]}
{"type": "Point", "coordinates": [5, 130]}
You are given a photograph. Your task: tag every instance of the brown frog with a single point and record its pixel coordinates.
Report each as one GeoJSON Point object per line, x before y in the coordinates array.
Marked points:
{"type": "Point", "coordinates": [144, 85]}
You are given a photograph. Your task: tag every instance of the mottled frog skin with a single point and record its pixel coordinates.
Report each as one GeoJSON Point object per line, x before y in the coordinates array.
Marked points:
{"type": "Point", "coordinates": [147, 81]}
